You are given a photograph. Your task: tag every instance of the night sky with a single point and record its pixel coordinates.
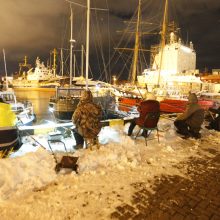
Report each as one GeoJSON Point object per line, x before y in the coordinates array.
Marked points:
{"type": "Point", "coordinates": [35, 27]}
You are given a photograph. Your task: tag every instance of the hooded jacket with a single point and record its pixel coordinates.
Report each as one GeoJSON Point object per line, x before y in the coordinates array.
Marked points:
{"type": "Point", "coordinates": [194, 114]}
{"type": "Point", "coordinates": [7, 116]}
{"type": "Point", "coordinates": [87, 116]}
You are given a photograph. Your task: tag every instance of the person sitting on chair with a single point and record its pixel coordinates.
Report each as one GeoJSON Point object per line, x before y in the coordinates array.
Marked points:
{"type": "Point", "coordinates": [215, 121]}
{"type": "Point", "coordinates": [86, 118]}
{"type": "Point", "coordinates": [189, 122]}
{"type": "Point", "coordinates": [145, 107]}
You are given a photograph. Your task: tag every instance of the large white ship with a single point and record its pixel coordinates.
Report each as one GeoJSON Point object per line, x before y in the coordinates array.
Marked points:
{"type": "Point", "coordinates": [174, 64]}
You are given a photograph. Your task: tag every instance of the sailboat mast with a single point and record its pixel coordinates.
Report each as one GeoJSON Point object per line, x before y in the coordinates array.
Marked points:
{"type": "Point", "coordinates": [54, 61]}
{"type": "Point", "coordinates": [136, 48]}
{"type": "Point", "coordinates": [163, 40]}
{"type": "Point", "coordinates": [6, 73]}
{"type": "Point", "coordinates": [74, 65]}
{"type": "Point", "coordinates": [61, 54]}
{"type": "Point", "coordinates": [82, 60]}
{"type": "Point", "coordinates": [71, 45]}
{"type": "Point", "coordinates": [87, 42]}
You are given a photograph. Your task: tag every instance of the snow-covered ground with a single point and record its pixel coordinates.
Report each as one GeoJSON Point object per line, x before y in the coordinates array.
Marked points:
{"type": "Point", "coordinates": [31, 189]}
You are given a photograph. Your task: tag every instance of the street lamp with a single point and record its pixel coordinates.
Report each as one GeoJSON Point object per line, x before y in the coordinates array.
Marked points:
{"type": "Point", "coordinates": [114, 80]}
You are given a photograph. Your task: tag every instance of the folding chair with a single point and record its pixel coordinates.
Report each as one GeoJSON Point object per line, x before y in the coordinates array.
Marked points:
{"type": "Point", "coordinates": [150, 124]}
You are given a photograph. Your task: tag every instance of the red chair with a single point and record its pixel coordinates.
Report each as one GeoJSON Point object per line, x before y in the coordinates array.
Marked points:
{"type": "Point", "coordinates": [149, 117]}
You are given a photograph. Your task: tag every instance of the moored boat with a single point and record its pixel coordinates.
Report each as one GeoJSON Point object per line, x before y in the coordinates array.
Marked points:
{"type": "Point", "coordinates": [166, 105]}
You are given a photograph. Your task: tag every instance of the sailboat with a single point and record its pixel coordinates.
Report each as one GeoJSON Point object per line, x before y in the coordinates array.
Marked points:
{"type": "Point", "coordinates": [67, 98]}
{"type": "Point", "coordinates": [173, 72]}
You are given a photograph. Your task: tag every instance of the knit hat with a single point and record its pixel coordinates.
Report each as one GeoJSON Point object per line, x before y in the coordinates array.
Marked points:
{"type": "Point", "coordinates": [192, 98]}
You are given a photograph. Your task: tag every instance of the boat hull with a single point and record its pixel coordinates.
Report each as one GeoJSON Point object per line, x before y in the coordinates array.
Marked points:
{"type": "Point", "coordinates": [10, 140]}
{"type": "Point", "coordinates": [167, 106]}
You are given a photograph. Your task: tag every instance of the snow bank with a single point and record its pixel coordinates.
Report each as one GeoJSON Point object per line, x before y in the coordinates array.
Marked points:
{"type": "Point", "coordinates": [21, 174]}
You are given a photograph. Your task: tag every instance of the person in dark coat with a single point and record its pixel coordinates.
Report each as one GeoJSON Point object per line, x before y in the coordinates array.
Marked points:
{"type": "Point", "coordinates": [215, 122]}
{"type": "Point", "coordinates": [86, 118]}
{"type": "Point", "coordinates": [189, 122]}
{"type": "Point", "coordinates": [145, 107]}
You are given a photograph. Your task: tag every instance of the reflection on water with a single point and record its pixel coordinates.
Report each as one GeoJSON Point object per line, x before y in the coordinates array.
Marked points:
{"type": "Point", "coordinates": [40, 101]}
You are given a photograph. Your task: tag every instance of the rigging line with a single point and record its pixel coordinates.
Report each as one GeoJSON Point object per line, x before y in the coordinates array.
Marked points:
{"type": "Point", "coordinates": [95, 44]}
{"type": "Point", "coordinates": [100, 45]}
{"type": "Point", "coordinates": [85, 6]}
{"type": "Point", "coordinates": [125, 65]}
{"type": "Point", "coordinates": [124, 35]}
{"type": "Point", "coordinates": [97, 38]}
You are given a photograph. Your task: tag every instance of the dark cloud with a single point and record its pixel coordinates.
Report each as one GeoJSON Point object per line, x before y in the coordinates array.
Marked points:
{"type": "Point", "coordinates": [34, 27]}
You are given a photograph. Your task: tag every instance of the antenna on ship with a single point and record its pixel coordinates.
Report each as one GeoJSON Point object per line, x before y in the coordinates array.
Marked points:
{"type": "Point", "coordinates": [22, 65]}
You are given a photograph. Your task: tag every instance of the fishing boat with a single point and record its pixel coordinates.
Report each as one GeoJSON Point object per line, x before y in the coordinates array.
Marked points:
{"type": "Point", "coordinates": [39, 77]}
{"type": "Point", "coordinates": [67, 98]}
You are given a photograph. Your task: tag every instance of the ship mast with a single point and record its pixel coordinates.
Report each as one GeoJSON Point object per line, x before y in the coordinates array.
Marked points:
{"type": "Point", "coordinates": [71, 45]}
{"type": "Point", "coordinates": [163, 40]}
{"type": "Point", "coordinates": [25, 64]}
{"type": "Point", "coordinates": [54, 61]}
{"type": "Point", "coordinates": [6, 73]}
{"type": "Point", "coordinates": [82, 60]}
{"type": "Point", "coordinates": [87, 42]}
{"type": "Point", "coordinates": [136, 48]}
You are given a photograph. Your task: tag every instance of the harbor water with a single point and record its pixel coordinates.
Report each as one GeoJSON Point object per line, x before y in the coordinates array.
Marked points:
{"type": "Point", "coordinates": [40, 100]}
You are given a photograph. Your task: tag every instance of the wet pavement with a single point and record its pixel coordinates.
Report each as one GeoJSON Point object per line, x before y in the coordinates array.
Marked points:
{"type": "Point", "coordinates": [177, 198]}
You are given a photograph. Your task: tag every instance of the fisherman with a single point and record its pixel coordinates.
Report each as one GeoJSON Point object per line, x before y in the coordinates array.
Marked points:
{"type": "Point", "coordinates": [189, 122]}
{"type": "Point", "coordinates": [9, 139]}
{"type": "Point", "coordinates": [215, 121]}
{"type": "Point", "coordinates": [143, 109]}
{"type": "Point", "coordinates": [86, 118]}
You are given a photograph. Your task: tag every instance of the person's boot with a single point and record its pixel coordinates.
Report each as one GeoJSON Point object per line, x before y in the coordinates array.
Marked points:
{"type": "Point", "coordinates": [78, 146]}
{"type": "Point", "coordinates": [196, 135]}
{"type": "Point", "coordinates": [185, 134]}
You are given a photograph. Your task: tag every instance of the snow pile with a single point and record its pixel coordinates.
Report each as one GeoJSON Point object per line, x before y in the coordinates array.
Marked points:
{"type": "Point", "coordinates": [30, 188]}
{"type": "Point", "coordinates": [21, 174]}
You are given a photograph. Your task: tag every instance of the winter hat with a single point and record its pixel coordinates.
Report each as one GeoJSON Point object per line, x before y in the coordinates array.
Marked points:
{"type": "Point", "coordinates": [192, 98]}
{"type": "Point", "coordinates": [86, 96]}
{"type": "Point", "coordinates": [150, 96]}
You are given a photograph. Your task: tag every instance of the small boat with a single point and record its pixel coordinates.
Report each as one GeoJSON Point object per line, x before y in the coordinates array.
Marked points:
{"type": "Point", "coordinates": [9, 141]}
{"type": "Point", "coordinates": [23, 110]}
{"type": "Point", "coordinates": [66, 100]}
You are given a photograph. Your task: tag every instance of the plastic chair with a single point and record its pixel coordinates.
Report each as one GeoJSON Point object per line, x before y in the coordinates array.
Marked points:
{"type": "Point", "coordinates": [150, 124]}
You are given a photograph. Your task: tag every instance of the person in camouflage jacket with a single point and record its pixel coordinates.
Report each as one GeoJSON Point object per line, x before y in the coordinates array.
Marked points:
{"type": "Point", "coordinates": [86, 119]}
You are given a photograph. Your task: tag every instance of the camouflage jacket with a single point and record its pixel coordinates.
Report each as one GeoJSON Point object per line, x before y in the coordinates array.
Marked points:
{"type": "Point", "coordinates": [87, 119]}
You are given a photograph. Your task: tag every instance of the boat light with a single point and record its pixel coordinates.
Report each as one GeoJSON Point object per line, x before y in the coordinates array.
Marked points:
{"type": "Point", "coordinates": [51, 109]}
